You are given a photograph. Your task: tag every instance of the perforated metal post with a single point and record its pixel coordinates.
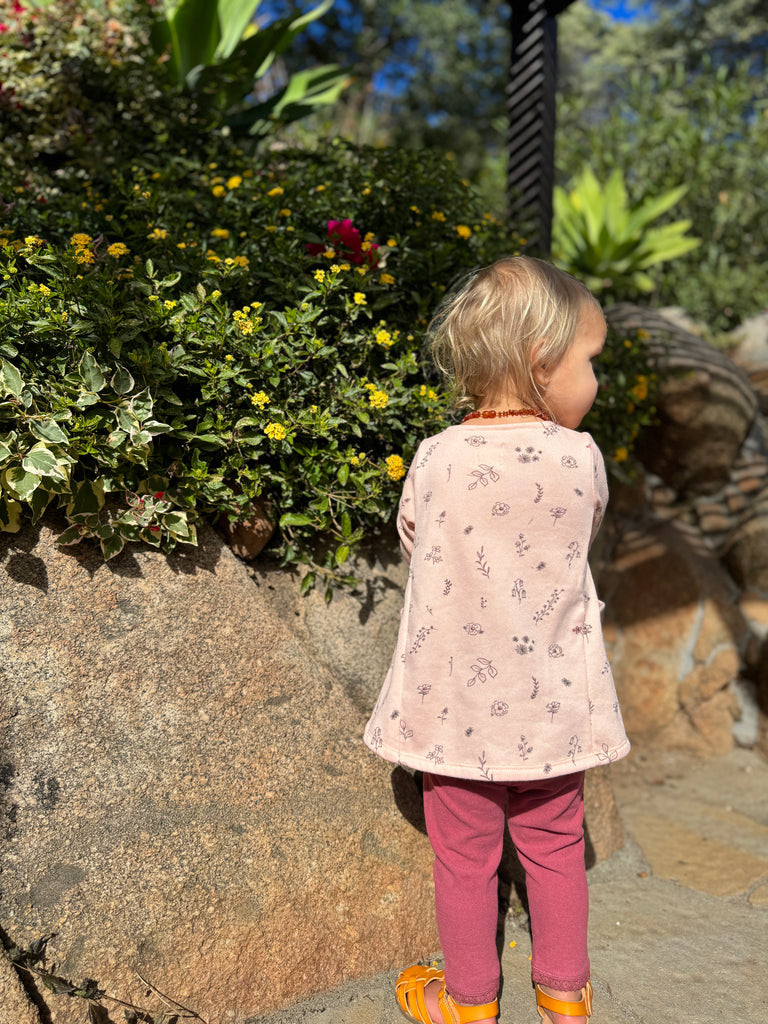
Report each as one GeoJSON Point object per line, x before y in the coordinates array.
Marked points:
{"type": "Point", "coordinates": [531, 118]}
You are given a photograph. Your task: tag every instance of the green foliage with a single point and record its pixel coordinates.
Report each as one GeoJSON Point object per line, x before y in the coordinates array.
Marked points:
{"type": "Point", "coordinates": [600, 237]}
{"type": "Point", "coordinates": [181, 332]}
{"type": "Point", "coordinates": [161, 362]}
{"type": "Point", "coordinates": [217, 54]}
{"type": "Point", "coordinates": [626, 399]}
{"type": "Point", "coordinates": [707, 128]}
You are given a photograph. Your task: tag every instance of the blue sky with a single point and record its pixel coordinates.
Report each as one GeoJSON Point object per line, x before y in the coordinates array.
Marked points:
{"type": "Point", "coordinates": [621, 10]}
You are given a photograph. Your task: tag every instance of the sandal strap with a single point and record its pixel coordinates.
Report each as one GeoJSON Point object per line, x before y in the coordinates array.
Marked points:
{"type": "Point", "coordinates": [569, 1008]}
{"type": "Point", "coordinates": [459, 1013]}
{"type": "Point", "coordinates": [409, 991]}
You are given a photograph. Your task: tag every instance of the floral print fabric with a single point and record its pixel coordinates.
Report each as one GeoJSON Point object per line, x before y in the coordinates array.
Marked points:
{"type": "Point", "coordinates": [500, 670]}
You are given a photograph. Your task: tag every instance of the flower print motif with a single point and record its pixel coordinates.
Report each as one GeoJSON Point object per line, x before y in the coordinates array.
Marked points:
{"type": "Point", "coordinates": [434, 555]}
{"type": "Point", "coordinates": [568, 462]}
{"type": "Point", "coordinates": [566, 682]}
{"type": "Point", "coordinates": [539, 494]}
{"type": "Point", "coordinates": [395, 715]}
{"type": "Point", "coordinates": [555, 651]}
{"type": "Point", "coordinates": [552, 709]}
{"type": "Point", "coordinates": [482, 563]}
{"type": "Point", "coordinates": [591, 707]}
{"type": "Point", "coordinates": [447, 588]}
{"type": "Point", "coordinates": [578, 493]}
{"type": "Point", "coordinates": [524, 645]}
{"type": "Point", "coordinates": [443, 715]}
{"type": "Point", "coordinates": [540, 566]}
{"type": "Point", "coordinates": [468, 732]}
{"type": "Point", "coordinates": [528, 454]}
{"type": "Point", "coordinates": [483, 602]}
{"type": "Point", "coordinates": [449, 469]}
{"type": "Point", "coordinates": [499, 708]}
{"type": "Point", "coordinates": [615, 707]}
{"type": "Point", "coordinates": [475, 440]}
{"type": "Point", "coordinates": [483, 769]}
{"type": "Point", "coordinates": [518, 591]}
{"type": "Point", "coordinates": [450, 666]}
{"type": "Point", "coordinates": [421, 635]}
{"type": "Point", "coordinates": [574, 748]}
{"type": "Point", "coordinates": [557, 513]}
{"type": "Point", "coordinates": [521, 545]}
{"type": "Point", "coordinates": [524, 748]}
{"type": "Point", "coordinates": [483, 668]}
{"type": "Point", "coordinates": [550, 429]}
{"type": "Point", "coordinates": [427, 497]}
{"type": "Point", "coordinates": [473, 629]}
{"type": "Point", "coordinates": [501, 508]}
{"type": "Point", "coordinates": [547, 768]}
{"type": "Point", "coordinates": [607, 755]}
{"type": "Point", "coordinates": [423, 689]}
{"type": "Point", "coordinates": [548, 605]}
{"type": "Point", "coordinates": [405, 732]}
{"type": "Point", "coordinates": [583, 630]}
{"type": "Point", "coordinates": [376, 740]}
{"type": "Point", "coordinates": [468, 530]}
{"type": "Point", "coordinates": [426, 456]}
{"type": "Point", "coordinates": [536, 687]}
{"type": "Point", "coordinates": [574, 552]}
{"type": "Point", "coordinates": [606, 668]}
{"type": "Point", "coordinates": [436, 755]}
{"type": "Point", "coordinates": [484, 476]}
{"type": "Point", "coordinates": [441, 518]}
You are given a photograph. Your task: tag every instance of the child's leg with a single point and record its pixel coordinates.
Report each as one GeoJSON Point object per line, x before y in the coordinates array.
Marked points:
{"type": "Point", "coordinates": [546, 825]}
{"type": "Point", "coordinates": [465, 823]}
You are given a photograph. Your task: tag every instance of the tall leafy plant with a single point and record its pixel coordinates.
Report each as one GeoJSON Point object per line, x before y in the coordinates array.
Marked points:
{"type": "Point", "coordinates": [216, 51]}
{"type": "Point", "coordinates": [608, 241]}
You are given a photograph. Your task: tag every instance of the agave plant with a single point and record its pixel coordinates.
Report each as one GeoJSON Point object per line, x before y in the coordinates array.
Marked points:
{"type": "Point", "coordinates": [607, 242]}
{"type": "Point", "coordinates": [217, 52]}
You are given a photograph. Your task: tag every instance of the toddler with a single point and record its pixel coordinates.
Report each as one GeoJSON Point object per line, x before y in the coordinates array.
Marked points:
{"type": "Point", "coordinates": [499, 690]}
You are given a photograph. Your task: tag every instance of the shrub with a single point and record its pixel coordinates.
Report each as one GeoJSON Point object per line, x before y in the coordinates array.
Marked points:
{"type": "Point", "coordinates": [185, 330]}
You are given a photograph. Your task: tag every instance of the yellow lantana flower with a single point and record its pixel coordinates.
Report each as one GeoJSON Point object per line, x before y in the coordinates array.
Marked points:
{"type": "Point", "coordinates": [276, 431]}
{"type": "Point", "coordinates": [395, 467]}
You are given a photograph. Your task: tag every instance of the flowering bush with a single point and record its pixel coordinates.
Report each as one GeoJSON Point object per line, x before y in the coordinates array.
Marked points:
{"type": "Point", "coordinates": [178, 345]}
{"type": "Point", "coordinates": [185, 332]}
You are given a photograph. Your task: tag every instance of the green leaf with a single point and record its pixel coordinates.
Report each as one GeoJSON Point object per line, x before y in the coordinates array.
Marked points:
{"type": "Point", "coordinates": [5, 452]}
{"type": "Point", "coordinates": [307, 583]}
{"type": "Point", "coordinates": [346, 525]}
{"type": "Point", "coordinates": [296, 519]}
{"type": "Point", "coordinates": [10, 515]}
{"type": "Point", "coordinates": [41, 461]}
{"type": "Point", "coordinates": [48, 430]}
{"type": "Point", "coordinates": [342, 554]}
{"type": "Point", "coordinates": [112, 545]}
{"type": "Point", "coordinates": [141, 405]}
{"type": "Point", "coordinates": [342, 474]}
{"type": "Point", "coordinates": [21, 484]}
{"type": "Point", "coordinates": [91, 373]}
{"type": "Point", "coordinates": [176, 523]}
{"type": "Point", "coordinates": [10, 379]}
{"type": "Point", "coordinates": [122, 382]}
{"type": "Point", "coordinates": [87, 497]}
{"type": "Point", "coordinates": [39, 502]}
{"type": "Point", "coordinates": [72, 535]}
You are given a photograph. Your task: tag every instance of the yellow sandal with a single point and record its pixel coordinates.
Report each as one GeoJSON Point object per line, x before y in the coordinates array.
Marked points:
{"type": "Point", "coordinates": [409, 991]}
{"type": "Point", "coordinates": [569, 1008]}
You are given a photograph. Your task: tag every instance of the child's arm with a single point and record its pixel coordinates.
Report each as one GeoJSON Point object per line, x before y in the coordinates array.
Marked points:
{"type": "Point", "coordinates": [406, 525]}
{"type": "Point", "coordinates": [600, 489]}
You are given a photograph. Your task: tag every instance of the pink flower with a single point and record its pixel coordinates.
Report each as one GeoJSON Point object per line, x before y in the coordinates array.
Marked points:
{"type": "Point", "coordinates": [345, 239]}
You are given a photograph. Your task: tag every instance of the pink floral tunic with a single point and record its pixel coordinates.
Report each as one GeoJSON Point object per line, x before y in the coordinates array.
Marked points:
{"type": "Point", "coordinates": [500, 669]}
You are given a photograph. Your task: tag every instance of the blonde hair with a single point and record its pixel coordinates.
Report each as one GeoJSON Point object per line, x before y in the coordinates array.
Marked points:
{"type": "Point", "coordinates": [504, 321]}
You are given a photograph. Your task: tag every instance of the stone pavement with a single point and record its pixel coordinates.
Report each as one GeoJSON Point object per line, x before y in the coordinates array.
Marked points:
{"type": "Point", "coordinates": [679, 917]}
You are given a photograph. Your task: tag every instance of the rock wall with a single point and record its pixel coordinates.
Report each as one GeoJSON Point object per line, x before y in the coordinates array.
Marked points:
{"type": "Point", "coordinates": [188, 800]}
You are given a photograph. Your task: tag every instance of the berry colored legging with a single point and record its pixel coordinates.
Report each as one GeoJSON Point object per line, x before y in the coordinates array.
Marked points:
{"type": "Point", "coordinates": [465, 823]}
